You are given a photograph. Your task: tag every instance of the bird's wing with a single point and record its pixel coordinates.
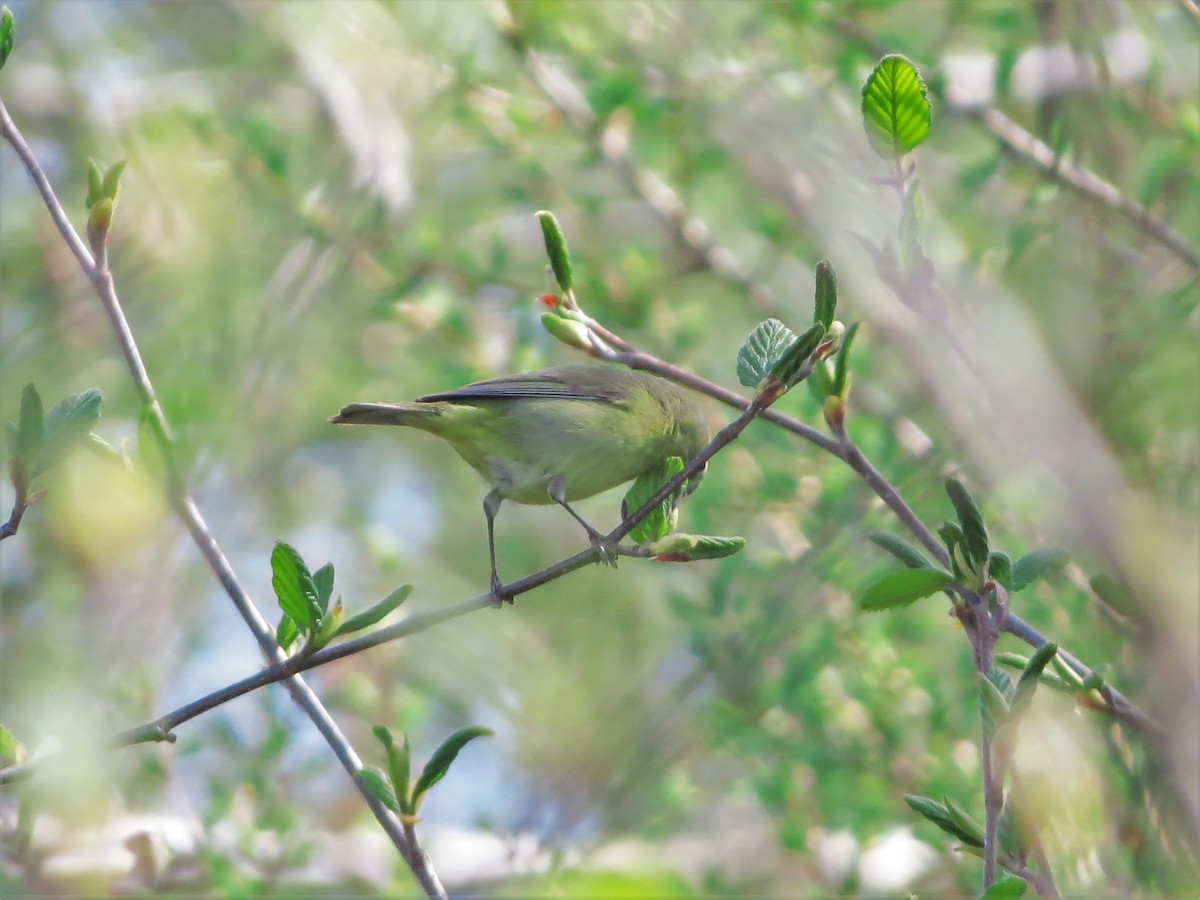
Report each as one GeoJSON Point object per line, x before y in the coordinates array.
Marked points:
{"type": "Point", "coordinates": [546, 385]}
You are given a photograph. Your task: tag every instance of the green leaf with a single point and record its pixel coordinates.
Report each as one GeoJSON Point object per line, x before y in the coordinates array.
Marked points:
{"type": "Point", "coordinates": [762, 350]}
{"type": "Point", "coordinates": [895, 105]}
{"type": "Point", "coordinates": [1114, 594]}
{"type": "Point", "coordinates": [681, 547]}
{"type": "Point", "coordinates": [975, 536]}
{"type": "Point", "coordinates": [112, 181]}
{"type": "Point", "coordinates": [556, 249]}
{"type": "Point", "coordinates": [902, 588]}
{"type": "Point", "coordinates": [30, 425]}
{"type": "Point", "coordinates": [900, 549]}
{"type": "Point", "coordinates": [1000, 568]}
{"type": "Point", "coordinates": [323, 581]}
{"type": "Point", "coordinates": [1008, 829]}
{"type": "Point", "coordinates": [940, 816]}
{"type": "Point", "coordinates": [11, 750]}
{"type": "Point", "coordinates": [964, 823]}
{"type": "Point", "coordinates": [568, 331]}
{"type": "Point", "coordinates": [440, 762]}
{"type": "Point", "coordinates": [786, 369]}
{"type": "Point", "coordinates": [286, 633]}
{"type": "Point", "coordinates": [826, 298]}
{"type": "Point", "coordinates": [376, 613]}
{"type": "Point", "coordinates": [841, 362]}
{"type": "Point", "coordinates": [1006, 887]}
{"type": "Point", "coordinates": [294, 587]}
{"type": "Point", "coordinates": [399, 758]}
{"type": "Point", "coordinates": [8, 32]}
{"type": "Point", "coordinates": [66, 425]}
{"type": "Point", "coordinates": [992, 703]}
{"type": "Point", "coordinates": [1049, 679]}
{"type": "Point", "coordinates": [378, 787]}
{"type": "Point", "coordinates": [1030, 676]}
{"type": "Point", "coordinates": [658, 523]}
{"type": "Point", "coordinates": [1037, 564]}
{"type": "Point", "coordinates": [95, 179]}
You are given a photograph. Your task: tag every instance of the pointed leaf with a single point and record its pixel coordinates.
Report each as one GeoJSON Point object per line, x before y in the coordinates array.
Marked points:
{"type": "Point", "coordinates": [1000, 568]}
{"type": "Point", "coordinates": [569, 331]}
{"type": "Point", "coordinates": [895, 107]}
{"type": "Point", "coordinates": [95, 180]}
{"type": "Point", "coordinates": [65, 426]}
{"type": "Point", "coordinates": [294, 587]}
{"type": "Point", "coordinates": [658, 523]}
{"type": "Point", "coordinates": [378, 787]}
{"type": "Point", "coordinates": [556, 249]}
{"type": "Point", "coordinates": [112, 181]}
{"type": "Point", "coordinates": [964, 823]}
{"type": "Point", "coordinates": [993, 705]}
{"type": "Point", "coordinates": [11, 750]}
{"type": "Point", "coordinates": [900, 549]}
{"type": "Point", "coordinates": [762, 350]}
{"type": "Point", "coordinates": [30, 425]}
{"type": "Point", "coordinates": [940, 816]}
{"type": "Point", "coordinates": [398, 756]}
{"type": "Point", "coordinates": [1037, 564]}
{"type": "Point", "coordinates": [788, 368]}
{"type": "Point", "coordinates": [376, 613]}
{"type": "Point", "coordinates": [975, 536]}
{"type": "Point", "coordinates": [825, 304]}
{"type": "Point", "coordinates": [681, 547]}
{"type": "Point", "coordinates": [8, 31]}
{"type": "Point", "coordinates": [1030, 675]}
{"type": "Point", "coordinates": [902, 588]}
{"type": "Point", "coordinates": [323, 581]}
{"type": "Point", "coordinates": [440, 762]}
{"type": "Point", "coordinates": [841, 362]}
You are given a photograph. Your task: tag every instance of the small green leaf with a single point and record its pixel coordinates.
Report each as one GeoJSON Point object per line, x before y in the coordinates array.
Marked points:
{"type": "Point", "coordinates": [1037, 564]}
{"type": "Point", "coordinates": [964, 823]}
{"type": "Point", "coordinates": [376, 613]}
{"type": "Point", "coordinates": [841, 362]}
{"type": "Point", "coordinates": [286, 633]}
{"type": "Point", "coordinates": [952, 537]}
{"type": "Point", "coordinates": [902, 588]}
{"type": "Point", "coordinates": [30, 425]}
{"type": "Point", "coordinates": [1094, 681]}
{"type": "Point", "coordinates": [11, 750]}
{"type": "Point", "coordinates": [556, 249]}
{"type": "Point", "coordinates": [323, 581]}
{"type": "Point", "coordinates": [294, 587]}
{"type": "Point", "coordinates": [1000, 568]}
{"type": "Point", "coordinates": [378, 787]}
{"type": "Point", "coordinates": [95, 179]}
{"type": "Point", "coordinates": [1049, 679]}
{"type": "Point", "coordinates": [399, 758]}
{"type": "Point", "coordinates": [762, 350]}
{"type": "Point", "coordinates": [440, 762]}
{"type": "Point", "coordinates": [658, 523]}
{"type": "Point", "coordinates": [895, 107]}
{"type": "Point", "coordinates": [826, 299]}
{"type": "Point", "coordinates": [1006, 887]}
{"type": "Point", "coordinates": [568, 331]}
{"type": "Point", "coordinates": [8, 32]}
{"type": "Point", "coordinates": [900, 549]}
{"type": "Point", "coordinates": [1114, 594]}
{"type": "Point", "coordinates": [1030, 676]}
{"type": "Point", "coordinates": [940, 816]}
{"type": "Point", "coordinates": [975, 536]}
{"type": "Point", "coordinates": [787, 368]}
{"type": "Point", "coordinates": [112, 181]}
{"type": "Point", "coordinates": [681, 547]}
{"type": "Point", "coordinates": [64, 426]}
{"type": "Point", "coordinates": [994, 706]}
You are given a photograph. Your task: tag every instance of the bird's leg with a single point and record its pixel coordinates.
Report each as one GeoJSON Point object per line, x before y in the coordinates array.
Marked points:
{"type": "Point", "coordinates": [491, 506]}
{"type": "Point", "coordinates": [557, 489]}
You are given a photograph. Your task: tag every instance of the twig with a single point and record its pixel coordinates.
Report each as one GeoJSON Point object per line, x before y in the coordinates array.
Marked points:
{"type": "Point", "coordinates": [20, 504]}
{"type": "Point", "coordinates": [100, 276]}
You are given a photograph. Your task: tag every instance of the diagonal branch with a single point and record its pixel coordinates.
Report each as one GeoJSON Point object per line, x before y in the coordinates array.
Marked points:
{"type": "Point", "coordinates": [98, 273]}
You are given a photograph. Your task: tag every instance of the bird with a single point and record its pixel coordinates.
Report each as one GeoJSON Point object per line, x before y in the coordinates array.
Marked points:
{"type": "Point", "coordinates": [553, 435]}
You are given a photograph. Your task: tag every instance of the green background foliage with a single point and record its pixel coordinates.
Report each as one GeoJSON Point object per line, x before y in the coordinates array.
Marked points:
{"type": "Point", "coordinates": [327, 202]}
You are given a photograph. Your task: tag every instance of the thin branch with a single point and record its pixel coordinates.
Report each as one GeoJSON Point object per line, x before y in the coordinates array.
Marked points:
{"type": "Point", "coordinates": [20, 503]}
{"type": "Point", "coordinates": [100, 276]}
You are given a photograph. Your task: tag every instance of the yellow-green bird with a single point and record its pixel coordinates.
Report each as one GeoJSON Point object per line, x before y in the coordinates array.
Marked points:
{"type": "Point", "coordinates": [554, 435]}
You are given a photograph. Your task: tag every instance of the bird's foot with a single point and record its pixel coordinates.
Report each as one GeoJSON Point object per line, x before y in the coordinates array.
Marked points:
{"type": "Point", "coordinates": [499, 595]}
{"type": "Point", "coordinates": [604, 547]}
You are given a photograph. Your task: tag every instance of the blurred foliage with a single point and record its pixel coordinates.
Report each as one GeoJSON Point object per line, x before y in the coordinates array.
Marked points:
{"type": "Point", "coordinates": [327, 202]}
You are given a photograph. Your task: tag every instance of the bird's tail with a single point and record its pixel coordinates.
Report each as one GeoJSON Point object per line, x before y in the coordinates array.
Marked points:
{"type": "Point", "coordinates": [415, 415]}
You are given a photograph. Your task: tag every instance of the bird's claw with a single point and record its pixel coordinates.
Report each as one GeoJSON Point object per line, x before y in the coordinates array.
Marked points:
{"type": "Point", "coordinates": [606, 549]}
{"type": "Point", "coordinates": [499, 595]}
